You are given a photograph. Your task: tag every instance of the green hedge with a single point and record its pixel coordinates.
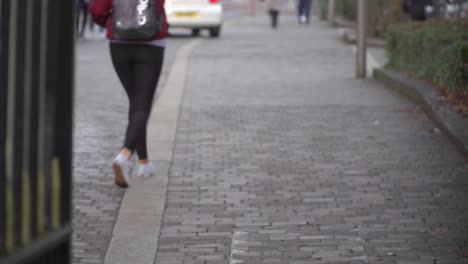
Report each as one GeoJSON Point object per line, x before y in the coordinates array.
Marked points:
{"type": "Point", "coordinates": [381, 14]}
{"type": "Point", "coordinates": [435, 50]}
{"type": "Point", "coordinates": [348, 9]}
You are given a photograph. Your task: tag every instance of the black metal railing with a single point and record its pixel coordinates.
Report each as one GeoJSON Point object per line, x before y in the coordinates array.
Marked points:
{"type": "Point", "coordinates": [36, 101]}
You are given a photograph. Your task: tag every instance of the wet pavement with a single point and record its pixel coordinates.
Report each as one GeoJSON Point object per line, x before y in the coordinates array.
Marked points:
{"type": "Point", "coordinates": [282, 156]}
{"type": "Point", "coordinates": [100, 120]}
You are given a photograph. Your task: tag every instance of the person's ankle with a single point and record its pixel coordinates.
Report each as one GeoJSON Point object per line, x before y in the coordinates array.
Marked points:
{"type": "Point", "coordinates": [143, 161]}
{"type": "Point", "coordinates": [127, 153]}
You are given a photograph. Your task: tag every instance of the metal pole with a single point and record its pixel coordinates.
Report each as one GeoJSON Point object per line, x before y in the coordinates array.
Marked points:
{"type": "Point", "coordinates": [361, 39]}
{"type": "Point", "coordinates": [331, 12]}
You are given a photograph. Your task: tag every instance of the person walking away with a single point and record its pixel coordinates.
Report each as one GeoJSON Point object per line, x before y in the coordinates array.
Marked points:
{"type": "Point", "coordinates": [274, 8]}
{"type": "Point", "coordinates": [304, 11]}
{"type": "Point", "coordinates": [137, 49]}
{"type": "Point", "coordinates": [81, 14]}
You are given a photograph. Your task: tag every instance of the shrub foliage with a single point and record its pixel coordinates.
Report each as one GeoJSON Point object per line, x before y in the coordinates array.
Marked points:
{"type": "Point", "coordinates": [436, 51]}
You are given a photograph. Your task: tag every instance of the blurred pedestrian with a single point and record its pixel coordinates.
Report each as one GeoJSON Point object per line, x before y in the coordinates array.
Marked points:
{"type": "Point", "coordinates": [304, 11]}
{"type": "Point", "coordinates": [417, 9]}
{"type": "Point", "coordinates": [137, 36]}
{"type": "Point", "coordinates": [82, 16]}
{"type": "Point", "coordinates": [274, 8]}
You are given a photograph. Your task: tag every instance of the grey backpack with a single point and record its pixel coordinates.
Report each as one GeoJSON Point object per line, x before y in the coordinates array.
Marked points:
{"type": "Point", "coordinates": [135, 19]}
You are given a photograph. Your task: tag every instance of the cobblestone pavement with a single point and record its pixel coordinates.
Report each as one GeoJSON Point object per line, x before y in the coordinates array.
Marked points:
{"type": "Point", "coordinates": [283, 157]}
{"type": "Point", "coordinates": [100, 120]}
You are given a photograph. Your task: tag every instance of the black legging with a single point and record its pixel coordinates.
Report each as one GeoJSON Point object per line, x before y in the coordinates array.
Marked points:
{"type": "Point", "coordinates": [138, 67]}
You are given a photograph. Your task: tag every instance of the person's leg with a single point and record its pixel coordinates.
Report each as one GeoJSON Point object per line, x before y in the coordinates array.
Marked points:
{"type": "Point", "coordinates": [303, 15]}
{"type": "Point", "coordinates": [300, 11]}
{"type": "Point", "coordinates": [121, 55]}
{"type": "Point", "coordinates": [80, 16]}
{"type": "Point", "coordinates": [91, 21]}
{"type": "Point", "coordinates": [123, 65]}
{"type": "Point", "coordinates": [122, 59]}
{"type": "Point", "coordinates": [85, 17]}
{"type": "Point", "coordinates": [91, 24]}
{"type": "Point", "coordinates": [277, 13]}
{"type": "Point", "coordinates": [81, 7]}
{"type": "Point", "coordinates": [77, 16]}
{"type": "Point", "coordinates": [149, 60]}
{"type": "Point", "coordinates": [307, 11]}
{"type": "Point", "coordinates": [274, 14]}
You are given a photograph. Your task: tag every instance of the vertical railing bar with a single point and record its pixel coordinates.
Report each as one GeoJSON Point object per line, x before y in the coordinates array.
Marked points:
{"type": "Point", "coordinates": [55, 197]}
{"type": "Point", "coordinates": [54, 179]}
{"type": "Point", "coordinates": [64, 117]}
{"type": "Point", "coordinates": [41, 123]}
{"type": "Point", "coordinates": [34, 113]}
{"type": "Point", "coordinates": [52, 159]}
{"type": "Point", "coordinates": [53, 54]}
{"type": "Point", "coordinates": [29, 127]}
{"type": "Point", "coordinates": [9, 144]}
{"type": "Point", "coordinates": [26, 221]}
{"type": "Point", "coordinates": [18, 124]}
{"type": "Point", "coordinates": [3, 102]}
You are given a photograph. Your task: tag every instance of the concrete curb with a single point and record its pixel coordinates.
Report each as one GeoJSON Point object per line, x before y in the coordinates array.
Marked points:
{"type": "Point", "coordinates": [136, 231]}
{"type": "Point", "coordinates": [341, 22]}
{"type": "Point", "coordinates": [423, 94]}
{"type": "Point", "coordinates": [372, 63]}
{"type": "Point", "coordinates": [349, 36]}
{"type": "Point", "coordinates": [138, 225]}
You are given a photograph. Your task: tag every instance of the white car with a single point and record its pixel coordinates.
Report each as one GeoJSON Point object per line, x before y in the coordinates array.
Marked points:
{"type": "Point", "coordinates": [196, 15]}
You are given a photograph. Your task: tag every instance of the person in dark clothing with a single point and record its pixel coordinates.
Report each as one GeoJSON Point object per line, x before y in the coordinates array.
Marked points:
{"type": "Point", "coordinates": [274, 16]}
{"type": "Point", "coordinates": [274, 9]}
{"type": "Point", "coordinates": [81, 13]}
{"type": "Point", "coordinates": [416, 8]}
{"type": "Point", "coordinates": [304, 11]}
{"type": "Point", "coordinates": [138, 65]}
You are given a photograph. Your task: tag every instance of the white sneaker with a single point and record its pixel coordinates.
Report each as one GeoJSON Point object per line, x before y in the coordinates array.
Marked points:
{"type": "Point", "coordinates": [145, 170]}
{"type": "Point", "coordinates": [303, 19]}
{"type": "Point", "coordinates": [122, 170]}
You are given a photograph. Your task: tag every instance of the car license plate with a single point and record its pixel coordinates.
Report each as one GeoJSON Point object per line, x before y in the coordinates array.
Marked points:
{"type": "Point", "coordinates": [186, 14]}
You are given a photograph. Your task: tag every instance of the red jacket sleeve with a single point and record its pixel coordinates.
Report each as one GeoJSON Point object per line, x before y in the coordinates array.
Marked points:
{"type": "Point", "coordinates": [101, 11]}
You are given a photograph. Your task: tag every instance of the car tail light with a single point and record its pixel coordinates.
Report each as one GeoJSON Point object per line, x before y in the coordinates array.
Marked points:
{"type": "Point", "coordinates": [214, 1]}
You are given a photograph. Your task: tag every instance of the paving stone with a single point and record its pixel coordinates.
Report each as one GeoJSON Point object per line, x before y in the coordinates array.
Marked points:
{"type": "Point", "coordinates": [278, 151]}
{"type": "Point", "coordinates": [99, 127]}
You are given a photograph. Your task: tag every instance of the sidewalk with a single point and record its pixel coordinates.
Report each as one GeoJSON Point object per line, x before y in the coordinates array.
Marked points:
{"type": "Point", "coordinates": [99, 126]}
{"type": "Point", "coordinates": [282, 156]}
